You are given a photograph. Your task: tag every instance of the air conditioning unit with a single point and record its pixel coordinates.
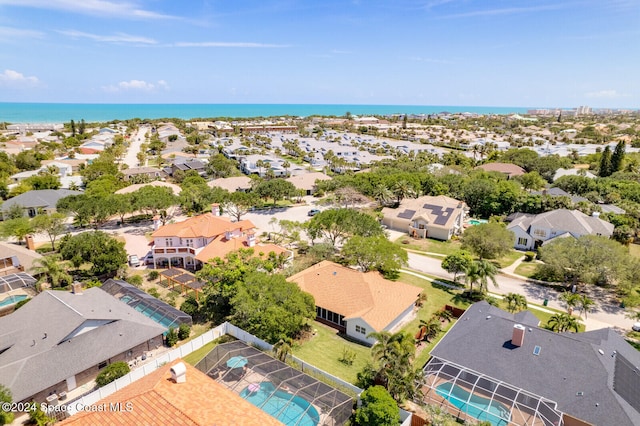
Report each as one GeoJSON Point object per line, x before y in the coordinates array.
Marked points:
{"type": "Point", "coordinates": [52, 399]}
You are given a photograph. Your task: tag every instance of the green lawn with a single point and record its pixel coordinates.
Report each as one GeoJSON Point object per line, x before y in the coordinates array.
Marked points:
{"type": "Point", "coordinates": [429, 245]}
{"type": "Point", "coordinates": [634, 250]}
{"type": "Point", "coordinates": [526, 269]}
{"type": "Point", "coordinates": [509, 258]}
{"type": "Point", "coordinates": [194, 357]}
{"type": "Point", "coordinates": [324, 349]}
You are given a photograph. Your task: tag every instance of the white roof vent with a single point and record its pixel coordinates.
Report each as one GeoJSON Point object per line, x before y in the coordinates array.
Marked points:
{"type": "Point", "coordinates": [179, 373]}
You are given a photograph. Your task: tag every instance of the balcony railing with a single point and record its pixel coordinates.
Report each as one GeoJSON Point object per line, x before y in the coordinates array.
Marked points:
{"type": "Point", "coordinates": [173, 250]}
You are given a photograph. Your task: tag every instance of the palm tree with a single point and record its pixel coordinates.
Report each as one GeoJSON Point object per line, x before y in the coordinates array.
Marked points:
{"type": "Point", "coordinates": [570, 299]}
{"type": "Point", "coordinates": [515, 302]}
{"type": "Point", "coordinates": [585, 304]}
{"type": "Point", "coordinates": [562, 322]}
{"type": "Point", "coordinates": [481, 272]}
{"type": "Point", "coordinates": [403, 189]}
{"type": "Point", "coordinates": [430, 328]}
{"type": "Point", "coordinates": [260, 164]}
{"type": "Point", "coordinates": [53, 269]}
{"type": "Point", "coordinates": [382, 194]}
{"type": "Point", "coordinates": [286, 165]}
{"type": "Point", "coordinates": [282, 349]}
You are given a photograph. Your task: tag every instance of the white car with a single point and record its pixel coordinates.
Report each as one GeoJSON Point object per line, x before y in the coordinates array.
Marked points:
{"type": "Point", "coordinates": [636, 326]}
{"type": "Point", "coordinates": [134, 261]}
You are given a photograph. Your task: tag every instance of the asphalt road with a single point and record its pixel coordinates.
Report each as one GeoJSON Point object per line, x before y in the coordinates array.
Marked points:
{"type": "Point", "coordinates": [136, 141]}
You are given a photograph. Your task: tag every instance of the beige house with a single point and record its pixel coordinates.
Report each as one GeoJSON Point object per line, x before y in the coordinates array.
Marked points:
{"type": "Point", "coordinates": [357, 303]}
{"type": "Point", "coordinates": [307, 181]}
{"type": "Point", "coordinates": [438, 217]}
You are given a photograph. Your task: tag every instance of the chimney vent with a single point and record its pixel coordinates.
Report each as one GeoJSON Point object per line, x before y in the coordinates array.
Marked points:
{"type": "Point", "coordinates": [517, 339]}
{"type": "Point", "coordinates": [215, 209]}
{"type": "Point", "coordinates": [179, 373]}
{"type": "Point", "coordinates": [76, 288]}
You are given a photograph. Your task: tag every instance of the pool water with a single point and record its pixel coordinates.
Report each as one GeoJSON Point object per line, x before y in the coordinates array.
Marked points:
{"type": "Point", "coordinates": [481, 408]}
{"type": "Point", "coordinates": [12, 299]}
{"type": "Point", "coordinates": [287, 408]}
{"type": "Point", "coordinates": [149, 312]}
{"type": "Point", "coordinates": [477, 221]}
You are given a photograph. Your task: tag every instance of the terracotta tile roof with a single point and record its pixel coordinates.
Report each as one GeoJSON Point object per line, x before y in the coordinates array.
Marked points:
{"type": "Point", "coordinates": [221, 246]}
{"type": "Point", "coordinates": [156, 400]}
{"type": "Point", "coordinates": [206, 225]}
{"type": "Point", "coordinates": [356, 294]}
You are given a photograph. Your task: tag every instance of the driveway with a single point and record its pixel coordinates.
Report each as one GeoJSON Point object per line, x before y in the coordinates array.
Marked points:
{"type": "Point", "coordinates": [136, 141]}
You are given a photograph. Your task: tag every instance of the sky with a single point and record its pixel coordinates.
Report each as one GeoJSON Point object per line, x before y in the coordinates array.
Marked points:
{"type": "Point", "coordinates": [522, 53]}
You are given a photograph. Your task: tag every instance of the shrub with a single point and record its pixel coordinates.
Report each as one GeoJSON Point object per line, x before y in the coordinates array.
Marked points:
{"type": "Point", "coordinates": [378, 408]}
{"type": "Point", "coordinates": [529, 256]}
{"type": "Point", "coordinates": [347, 357]}
{"type": "Point", "coordinates": [20, 304]}
{"type": "Point", "coordinates": [153, 275]}
{"type": "Point", "coordinates": [184, 331]}
{"type": "Point", "coordinates": [112, 372]}
{"type": "Point", "coordinates": [172, 337]}
{"type": "Point", "coordinates": [135, 280]}
{"type": "Point", "coordinates": [153, 292]}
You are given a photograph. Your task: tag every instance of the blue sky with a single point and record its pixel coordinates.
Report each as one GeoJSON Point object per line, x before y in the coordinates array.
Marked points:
{"type": "Point", "coordinates": [408, 52]}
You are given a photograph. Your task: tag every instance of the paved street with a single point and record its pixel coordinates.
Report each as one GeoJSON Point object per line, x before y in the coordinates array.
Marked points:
{"type": "Point", "coordinates": [605, 314]}
{"type": "Point", "coordinates": [136, 141]}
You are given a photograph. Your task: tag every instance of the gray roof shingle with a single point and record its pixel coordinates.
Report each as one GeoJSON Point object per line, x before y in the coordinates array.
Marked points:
{"type": "Point", "coordinates": [41, 198]}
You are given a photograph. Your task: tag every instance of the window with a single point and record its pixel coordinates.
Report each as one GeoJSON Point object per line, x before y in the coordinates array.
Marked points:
{"type": "Point", "coordinates": [540, 233]}
{"type": "Point", "coordinates": [168, 242]}
{"type": "Point", "coordinates": [361, 330]}
{"type": "Point", "coordinates": [522, 241]}
{"type": "Point", "coordinates": [189, 242]}
{"type": "Point", "coordinates": [32, 212]}
{"type": "Point", "coordinates": [102, 365]}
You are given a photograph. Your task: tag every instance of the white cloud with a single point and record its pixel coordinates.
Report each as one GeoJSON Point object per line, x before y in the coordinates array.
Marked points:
{"type": "Point", "coordinates": [11, 78]}
{"type": "Point", "coordinates": [120, 9]}
{"type": "Point", "coordinates": [226, 44]}
{"type": "Point", "coordinates": [115, 38]}
{"type": "Point", "coordinates": [136, 85]}
{"type": "Point", "coordinates": [505, 11]}
{"type": "Point", "coordinates": [9, 34]}
{"type": "Point", "coordinates": [605, 94]}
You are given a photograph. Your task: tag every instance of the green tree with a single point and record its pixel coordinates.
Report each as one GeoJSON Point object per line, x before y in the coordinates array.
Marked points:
{"type": "Point", "coordinates": [515, 302]}
{"type": "Point", "coordinates": [72, 126]}
{"type": "Point", "coordinates": [43, 181]}
{"type": "Point", "coordinates": [488, 240]}
{"type": "Point", "coordinates": [28, 160]}
{"type": "Point", "coordinates": [220, 166]}
{"type": "Point", "coordinates": [6, 417]}
{"type": "Point", "coordinates": [184, 331]}
{"type": "Point", "coordinates": [154, 199]}
{"type": "Point", "coordinates": [239, 204]}
{"type": "Point", "coordinates": [18, 228]}
{"type": "Point", "coordinates": [532, 181]}
{"type": "Point", "coordinates": [112, 372]}
{"type": "Point", "coordinates": [276, 189]}
{"type": "Point", "coordinates": [81, 248]}
{"type": "Point", "coordinates": [481, 272]}
{"type": "Point", "coordinates": [374, 253]}
{"type": "Point", "coordinates": [121, 204]}
{"type": "Point", "coordinates": [282, 349]}
{"type": "Point", "coordinates": [605, 163]}
{"type": "Point", "coordinates": [52, 270]}
{"type": "Point", "coordinates": [617, 159]}
{"type": "Point", "coordinates": [378, 408]}
{"type": "Point", "coordinates": [172, 337]}
{"type": "Point", "coordinates": [271, 307]}
{"type": "Point", "coordinates": [562, 322]}
{"type": "Point", "coordinates": [53, 225]}
{"type": "Point", "coordinates": [336, 225]}
{"type": "Point", "coordinates": [457, 262]}
{"type": "Point", "coordinates": [585, 303]}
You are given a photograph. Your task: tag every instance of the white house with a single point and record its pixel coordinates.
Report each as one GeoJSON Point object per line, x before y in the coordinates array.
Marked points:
{"type": "Point", "coordinates": [531, 231]}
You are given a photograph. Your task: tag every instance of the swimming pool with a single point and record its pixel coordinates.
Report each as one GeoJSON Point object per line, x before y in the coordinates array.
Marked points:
{"type": "Point", "coordinates": [12, 299]}
{"type": "Point", "coordinates": [151, 312]}
{"type": "Point", "coordinates": [477, 221]}
{"type": "Point", "coordinates": [289, 409]}
{"type": "Point", "coordinates": [476, 406]}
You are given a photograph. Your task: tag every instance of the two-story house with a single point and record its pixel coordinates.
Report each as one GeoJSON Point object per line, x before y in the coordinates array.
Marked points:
{"type": "Point", "coordinates": [531, 231]}
{"type": "Point", "coordinates": [193, 242]}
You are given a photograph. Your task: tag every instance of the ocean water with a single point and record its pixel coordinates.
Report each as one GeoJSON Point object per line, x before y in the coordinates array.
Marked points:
{"type": "Point", "coordinates": [12, 112]}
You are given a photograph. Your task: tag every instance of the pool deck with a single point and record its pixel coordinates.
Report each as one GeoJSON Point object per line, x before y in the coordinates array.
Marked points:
{"type": "Point", "coordinates": [21, 291]}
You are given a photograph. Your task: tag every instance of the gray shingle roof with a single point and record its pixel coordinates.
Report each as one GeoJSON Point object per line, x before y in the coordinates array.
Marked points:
{"type": "Point", "coordinates": [572, 221]}
{"type": "Point", "coordinates": [42, 198]}
{"type": "Point", "coordinates": [36, 351]}
{"type": "Point", "coordinates": [568, 363]}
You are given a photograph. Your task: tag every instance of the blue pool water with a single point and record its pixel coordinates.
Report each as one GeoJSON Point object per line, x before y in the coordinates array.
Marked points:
{"type": "Point", "coordinates": [477, 221]}
{"type": "Point", "coordinates": [287, 408]}
{"type": "Point", "coordinates": [11, 300]}
{"type": "Point", "coordinates": [476, 406]}
{"type": "Point", "coordinates": [149, 312]}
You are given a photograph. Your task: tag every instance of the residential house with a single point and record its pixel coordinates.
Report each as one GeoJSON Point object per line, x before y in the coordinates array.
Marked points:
{"type": "Point", "coordinates": [357, 303]}
{"type": "Point", "coordinates": [558, 192]}
{"type": "Point", "coordinates": [501, 367]}
{"type": "Point", "coordinates": [232, 184]}
{"type": "Point", "coordinates": [530, 231]}
{"type": "Point", "coordinates": [249, 165]}
{"type": "Point", "coordinates": [191, 243]}
{"type": "Point", "coordinates": [16, 258]}
{"type": "Point", "coordinates": [438, 217]}
{"type": "Point", "coordinates": [187, 164]}
{"type": "Point", "coordinates": [176, 393]}
{"type": "Point", "coordinates": [508, 169]}
{"type": "Point", "coordinates": [150, 173]}
{"type": "Point", "coordinates": [133, 188]}
{"type": "Point", "coordinates": [61, 340]}
{"type": "Point", "coordinates": [307, 181]}
{"type": "Point", "coordinates": [37, 201]}
{"type": "Point", "coordinates": [572, 172]}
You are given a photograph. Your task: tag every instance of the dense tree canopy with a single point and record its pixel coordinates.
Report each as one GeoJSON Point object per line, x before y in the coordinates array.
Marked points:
{"type": "Point", "coordinates": [378, 408]}
{"type": "Point", "coordinates": [488, 240]}
{"type": "Point", "coordinates": [336, 225]}
{"type": "Point", "coordinates": [105, 254]}
{"type": "Point", "coordinates": [374, 253]}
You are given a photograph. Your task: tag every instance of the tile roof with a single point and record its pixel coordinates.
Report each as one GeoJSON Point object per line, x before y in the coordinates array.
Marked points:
{"type": "Point", "coordinates": [231, 184]}
{"type": "Point", "coordinates": [507, 168]}
{"type": "Point", "coordinates": [356, 294]}
{"type": "Point", "coordinates": [59, 334]}
{"type": "Point", "coordinates": [157, 400]}
{"type": "Point", "coordinates": [567, 363]}
{"type": "Point", "coordinates": [205, 225]}
{"type": "Point", "coordinates": [307, 181]}
{"type": "Point", "coordinates": [25, 256]}
{"type": "Point", "coordinates": [220, 247]}
{"type": "Point", "coordinates": [439, 211]}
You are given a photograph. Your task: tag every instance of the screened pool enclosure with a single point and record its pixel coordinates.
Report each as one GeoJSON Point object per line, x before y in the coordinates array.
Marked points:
{"type": "Point", "coordinates": [294, 398]}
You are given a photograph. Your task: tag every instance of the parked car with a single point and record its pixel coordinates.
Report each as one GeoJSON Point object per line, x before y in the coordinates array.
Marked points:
{"type": "Point", "coordinates": [313, 212]}
{"type": "Point", "coordinates": [134, 261]}
{"type": "Point", "coordinates": [636, 326]}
